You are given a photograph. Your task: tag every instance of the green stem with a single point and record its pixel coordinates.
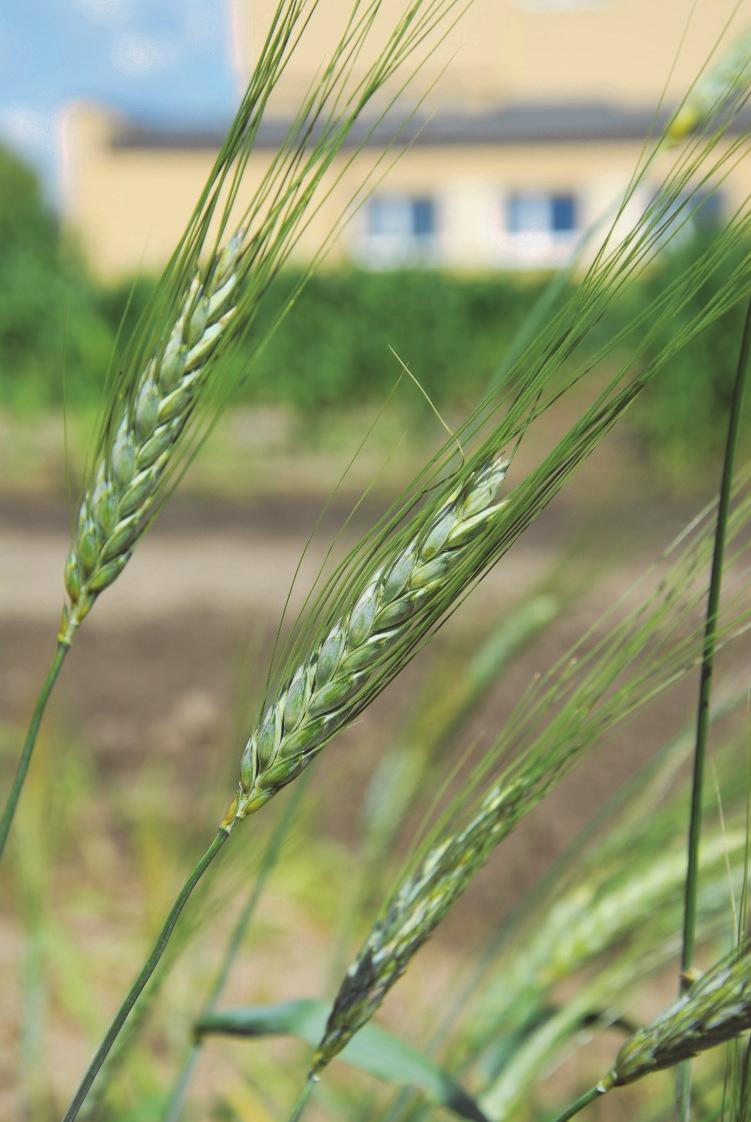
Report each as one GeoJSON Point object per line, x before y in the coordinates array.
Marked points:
{"type": "Point", "coordinates": [236, 939]}
{"type": "Point", "coordinates": [683, 1085]}
{"type": "Point", "coordinates": [28, 746]}
{"type": "Point", "coordinates": [147, 970]}
{"type": "Point", "coordinates": [299, 1108]}
{"type": "Point", "coordinates": [584, 1100]}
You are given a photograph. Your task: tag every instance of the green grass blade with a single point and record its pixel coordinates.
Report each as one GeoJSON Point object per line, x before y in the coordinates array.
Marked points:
{"type": "Point", "coordinates": [374, 1050]}
{"type": "Point", "coordinates": [683, 1077]}
{"type": "Point", "coordinates": [28, 746]}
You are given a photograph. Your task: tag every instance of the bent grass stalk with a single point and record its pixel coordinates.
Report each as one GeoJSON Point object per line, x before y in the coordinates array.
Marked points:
{"type": "Point", "coordinates": [683, 1078]}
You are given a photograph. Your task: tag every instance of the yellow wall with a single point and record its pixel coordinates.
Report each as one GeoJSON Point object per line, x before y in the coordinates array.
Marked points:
{"type": "Point", "coordinates": [525, 50]}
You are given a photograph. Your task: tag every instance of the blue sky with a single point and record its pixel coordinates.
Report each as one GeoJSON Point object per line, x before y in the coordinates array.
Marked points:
{"type": "Point", "coordinates": [163, 59]}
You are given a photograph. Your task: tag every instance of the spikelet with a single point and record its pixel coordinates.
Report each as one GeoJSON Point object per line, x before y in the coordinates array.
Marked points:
{"type": "Point", "coordinates": [715, 1009]}
{"type": "Point", "coordinates": [333, 684]}
{"type": "Point", "coordinates": [114, 510]}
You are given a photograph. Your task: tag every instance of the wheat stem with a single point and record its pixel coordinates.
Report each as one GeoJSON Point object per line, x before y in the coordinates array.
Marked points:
{"type": "Point", "coordinates": [145, 974]}
{"type": "Point", "coordinates": [28, 746]}
{"type": "Point", "coordinates": [236, 939]}
{"type": "Point", "coordinates": [583, 1100]}
{"type": "Point", "coordinates": [683, 1078]}
{"type": "Point", "coordinates": [299, 1108]}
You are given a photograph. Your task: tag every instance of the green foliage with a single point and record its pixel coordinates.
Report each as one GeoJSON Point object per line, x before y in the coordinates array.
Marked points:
{"type": "Point", "coordinates": [451, 330]}
{"type": "Point", "coordinates": [682, 419]}
{"type": "Point", "coordinates": [58, 331]}
{"type": "Point", "coordinates": [54, 341]}
{"type": "Point", "coordinates": [374, 1050]}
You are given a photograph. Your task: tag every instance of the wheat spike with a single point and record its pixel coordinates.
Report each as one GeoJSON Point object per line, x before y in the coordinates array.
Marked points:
{"type": "Point", "coordinates": [114, 510]}
{"type": "Point", "coordinates": [330, 686]}
{"type": "Point", "coordinates": [715, 1009]}
{"type": "Point", "coordinates": [421, 903]}
{"type": "Point", "coordinates": [583, 923]}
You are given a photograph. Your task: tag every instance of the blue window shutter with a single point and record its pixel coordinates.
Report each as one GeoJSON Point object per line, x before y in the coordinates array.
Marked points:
{"type": "Point", "coordinates": [564, 214]}
{"type": "Point", "coordinates": [423, 217]}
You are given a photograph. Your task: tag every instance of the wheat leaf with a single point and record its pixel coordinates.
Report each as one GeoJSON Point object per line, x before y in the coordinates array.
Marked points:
{"type": "Point", "coordinates": [374, 1050]}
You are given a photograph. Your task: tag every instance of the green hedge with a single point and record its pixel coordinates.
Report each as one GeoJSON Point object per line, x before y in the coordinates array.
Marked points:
{"type": "Point", "coordinates": [54, 340]}
{"type": "Point", "coordinates": [333, 346]}
{"type": "Point", "coordinates": [57, 332]}
{"type": "Point", "coordinates": [453, 332]}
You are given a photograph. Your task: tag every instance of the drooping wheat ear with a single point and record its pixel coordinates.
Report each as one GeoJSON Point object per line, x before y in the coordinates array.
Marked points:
{"type": "Point", "coordinates": [115, 508]}
{"type": "Point", "coordinates": [331, 686]}
{"type": "Point", "coordinates": [715, 1009]}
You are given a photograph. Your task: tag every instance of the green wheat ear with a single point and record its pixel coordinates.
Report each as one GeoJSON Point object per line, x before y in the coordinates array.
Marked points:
{"type": "Point", "coordinates": [715, 1009]}
{"type": "Point", "coordinates": [114, 511]}
{"type": "Point", "coordinates": [403, 597]}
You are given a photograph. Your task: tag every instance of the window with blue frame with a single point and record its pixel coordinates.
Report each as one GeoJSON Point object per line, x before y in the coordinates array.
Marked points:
{"type": "Point", "coordinates": [540, 212]}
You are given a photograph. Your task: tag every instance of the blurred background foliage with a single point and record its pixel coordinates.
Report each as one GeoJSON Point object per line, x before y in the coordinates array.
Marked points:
{"type": "Point", "coordinates": [58, 329]}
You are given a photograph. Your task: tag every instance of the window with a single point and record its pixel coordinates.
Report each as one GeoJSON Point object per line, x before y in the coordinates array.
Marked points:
{"type": "Point", "coordinates": [533, 212]}
{"type": "Point", "coordinates": [399, 229]}
{"type": "Point", "coordinates": [540, 227]}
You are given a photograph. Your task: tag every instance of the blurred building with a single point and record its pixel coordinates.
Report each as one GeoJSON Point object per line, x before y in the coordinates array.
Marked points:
{"type": "Point", "coordinates": [527, 136]}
